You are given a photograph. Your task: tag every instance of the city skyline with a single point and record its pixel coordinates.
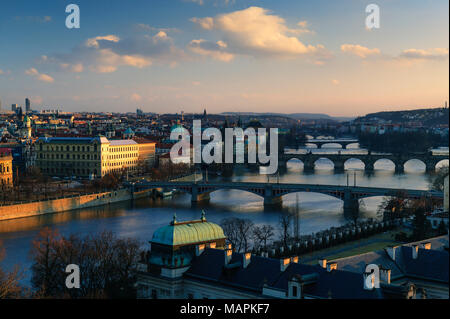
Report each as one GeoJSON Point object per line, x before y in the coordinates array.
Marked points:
{"type": "Point", "coordinates": [253, 56]}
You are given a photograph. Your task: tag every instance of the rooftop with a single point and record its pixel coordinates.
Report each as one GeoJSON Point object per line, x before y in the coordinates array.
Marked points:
{"type": "Point", "coordinates": [187, 233]}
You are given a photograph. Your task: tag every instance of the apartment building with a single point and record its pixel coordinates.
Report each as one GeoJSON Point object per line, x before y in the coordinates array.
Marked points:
{"type": "Point", "coordinates": [86, 157]}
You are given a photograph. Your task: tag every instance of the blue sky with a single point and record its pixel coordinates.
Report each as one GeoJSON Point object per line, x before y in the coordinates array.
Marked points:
{"type": "Point", "coordinates": [242, 55]}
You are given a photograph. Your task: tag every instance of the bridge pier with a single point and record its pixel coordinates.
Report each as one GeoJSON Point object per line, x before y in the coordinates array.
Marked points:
{"type": "Point", "coordinates": [351, 205]}
{"type": "Point", "coordinates": [200, 198]}
{"type": "Point", "coordinates": [430, 167]}
{"type": "Point", "coordinates": [197, 197]}
{"type": "Point", "coordinates": [339, 166]}
{"type": "Point", "coordinates": [270, 199]}
{"type": "Point", "coordinates": [399, 168]}
{"type": "Point", "coordinates": [308, 166]}
{"type": "Point", "coordinates": [369, 166]}
{"type": "Point", "coordinates": [273, 201]}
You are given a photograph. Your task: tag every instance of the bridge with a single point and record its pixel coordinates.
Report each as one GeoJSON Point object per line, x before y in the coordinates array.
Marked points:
{"type": "Point", "coordinates": [344, 142]}
{"type": "Point", "coordinates": [368, 159]}
{"type": "Point", "coordinates": [273, 192]}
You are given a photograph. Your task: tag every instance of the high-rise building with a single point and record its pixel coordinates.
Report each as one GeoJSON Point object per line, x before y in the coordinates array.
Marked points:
{"type": "Point", "coordinates": [27, 105]}
{"type": "Point", "coordinates": [14, 107]}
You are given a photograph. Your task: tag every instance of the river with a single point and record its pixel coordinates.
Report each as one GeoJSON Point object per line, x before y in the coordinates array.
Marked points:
{"type": "Point", "coordinates": [141, 218]}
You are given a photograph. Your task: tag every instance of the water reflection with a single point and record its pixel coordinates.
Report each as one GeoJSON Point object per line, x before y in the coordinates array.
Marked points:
{"type": "Point", "coordinates": [141, 218]}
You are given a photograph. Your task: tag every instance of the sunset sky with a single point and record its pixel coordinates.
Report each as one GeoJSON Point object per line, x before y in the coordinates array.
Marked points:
{"type": "Point", "coordinates": [287, 56]}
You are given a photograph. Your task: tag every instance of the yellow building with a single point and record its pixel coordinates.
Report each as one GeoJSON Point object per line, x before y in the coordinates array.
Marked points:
{"type": "Point", "coordinates": [6, 177]}
{"type": "Point", "coordinates": [83, 157]}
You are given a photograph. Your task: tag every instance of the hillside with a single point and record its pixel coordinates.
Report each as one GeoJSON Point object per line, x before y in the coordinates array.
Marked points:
{"type": "Point", "coordinates": [428, 117]}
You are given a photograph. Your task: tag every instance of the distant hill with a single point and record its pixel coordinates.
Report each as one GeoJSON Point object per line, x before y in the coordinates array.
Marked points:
{"type": "Point", "coordinates": [296, 116]}
{"type": "Point", "coordinates": [428, 117]}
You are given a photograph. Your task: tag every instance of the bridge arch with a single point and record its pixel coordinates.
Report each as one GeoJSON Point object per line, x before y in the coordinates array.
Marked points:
{"type": "Point", "coordinates": [352, 146]}
{"type": "Point", "coordinates": [441, 164]}
{"type": "Point", "coordinates": [311, 145]}
{"type": "Point", "coordinates": [291, 195]}
{"type": "Point", "coordinates": [414, 165]}
{"type": "Point", "coordinates": [384, 164]}
{"type": "Point", "coordinates": [324, 163]}
{"type": "Point", "coordinates": [354, 163]}
{"type": "Point", "coordinates": [295, 164]}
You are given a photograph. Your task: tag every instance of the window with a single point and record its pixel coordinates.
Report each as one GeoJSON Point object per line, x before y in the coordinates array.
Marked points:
{"type": "Point", "coordinates": [294, 291]}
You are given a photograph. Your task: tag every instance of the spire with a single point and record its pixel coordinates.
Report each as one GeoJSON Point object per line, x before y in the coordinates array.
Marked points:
{"type": "Point", "coordinates": [203, 219]}
{"type": "Point", "coordinates": [174, 220]}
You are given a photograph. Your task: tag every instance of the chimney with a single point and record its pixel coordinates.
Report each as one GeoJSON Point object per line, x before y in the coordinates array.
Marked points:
{"type": "Point", "coordinates": [199, 249]}
{"type": "Point", "coordinates": [415, 251]}
{"type": "Point", "coordinates": [369, 280]}
{"type": "Point", "coordinates": [294, 259]}
{"type": "Point", "coordinates": [323, 263]}
{"type": "Point", "coordinates": [385, 275]}
{"type": "Point", "coordinates": [391, 251]}
{"type": "Point", "coordinates": [246, 259]}
{"type": "Point", "coordinates": [212, 245]}
{"type": "Point", "coordinates": [331, 267]}
{"type": "Point", "coordinates": [284, 263]}
{"type": "Point", "coordinates": [228, 254]}
{"type": "Point", "coordinates": [426, 246]}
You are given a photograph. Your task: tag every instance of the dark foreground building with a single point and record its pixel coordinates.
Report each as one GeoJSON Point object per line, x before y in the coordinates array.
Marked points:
{"type": "Point", "coordinates": [191, 260]}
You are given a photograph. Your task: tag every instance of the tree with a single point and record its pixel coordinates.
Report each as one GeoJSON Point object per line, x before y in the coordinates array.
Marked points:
{"type": "Point", "coordinates": [107, 265]}
{"type": "Point", "coordinates": [285, 224]}
{"type": "Point", "coordinates": [9, 281]}
{"type": "Point", "coordinates": [394, 207]}
{"type": "Point", "coordinates": [438, 181]}
{"type": "Point", "coordinates": [238, 232]}
{"type": "Point", "coordinates": [261, 234]}
{"type": "Point", "coordinates": [420, 224]}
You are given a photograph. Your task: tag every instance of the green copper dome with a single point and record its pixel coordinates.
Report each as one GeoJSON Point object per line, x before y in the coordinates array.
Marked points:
{"type": "Point", "coordinates": [186, 233]}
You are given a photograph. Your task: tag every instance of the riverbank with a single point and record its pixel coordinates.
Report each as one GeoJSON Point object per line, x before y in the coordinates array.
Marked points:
{"type": "Point", "coordinates": [68, 203]}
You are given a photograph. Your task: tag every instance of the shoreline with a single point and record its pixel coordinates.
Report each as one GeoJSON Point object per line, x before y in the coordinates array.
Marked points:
{"type": "Point", "coordinates": [65, 204]}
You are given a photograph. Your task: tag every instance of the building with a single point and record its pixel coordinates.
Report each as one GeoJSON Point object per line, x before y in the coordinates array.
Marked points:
{"type": "Point", "coordinates": [27, 105]}
{"type": "Point", "coordinates": [25, 131]}
{"type": "Point", "coordinates": [191, 260]}
{"type": "Point", "coordinates": [86, 157]}
{"type": "Point", "coordinates": [6, 170]}
{"type": "Point", "coordinates": [424, 264]}
{"type": "Point", "coordinates": [14, 107]}
{"type": "Point", "coordinates": [147, 151]}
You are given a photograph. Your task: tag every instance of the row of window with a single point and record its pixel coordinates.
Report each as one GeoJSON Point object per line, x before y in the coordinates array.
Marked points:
{"type": "Point", "coordinates": [67, 171]}
{"type": "Point", "coordinates": [126, 155]}
{"type": "Point", "coordinates": [4, 169]}
{"type": "Point", "coordinates": [60, 148]}
{"type": "Point", "coordinates": [74, 156]}
{"type": "Point", "coordinates": [67, 164]}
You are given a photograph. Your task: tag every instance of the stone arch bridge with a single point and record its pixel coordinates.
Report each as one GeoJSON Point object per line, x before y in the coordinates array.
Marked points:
{"type": "Point", "coordinates": [273, 193]}
{"type": "Point", "coordinates": [369, 160]}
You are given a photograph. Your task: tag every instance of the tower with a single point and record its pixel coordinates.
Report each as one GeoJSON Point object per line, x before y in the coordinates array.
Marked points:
{"type": "Point", "coordinates": [27, 105]}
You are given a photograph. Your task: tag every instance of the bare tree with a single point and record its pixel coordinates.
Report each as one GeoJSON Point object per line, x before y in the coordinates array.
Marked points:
{"type": "Point", "coordinates": [107, 265]}
{"type": "Point", "coordinates": [9, 282]}
{"type": "Point", "coordinates": [261, 234]}
{"type": "Point", "coordinates": [285, 224]}
{"type": "Point", "coordinates": [238, 232]}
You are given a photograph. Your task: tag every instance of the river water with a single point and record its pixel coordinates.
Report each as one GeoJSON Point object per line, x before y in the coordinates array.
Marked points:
{"type": "Point", "coordinates": [141, 218]}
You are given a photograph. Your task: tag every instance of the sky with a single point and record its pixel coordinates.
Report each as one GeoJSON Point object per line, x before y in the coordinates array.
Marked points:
{"type": "Point", "coordinates": [168, 56]}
